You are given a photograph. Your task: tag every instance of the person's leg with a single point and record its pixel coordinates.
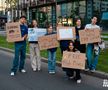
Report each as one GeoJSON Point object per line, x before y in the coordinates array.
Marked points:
{"type": "Point", "coordinates": [16, 58]}
{"type": "Point", "coordinates": [95, 61]}
{"type": "Point", "coordinates": [78, 76]}
{"type": "Point", "coordinates": [89, 53]}
{"type": "Point", "coordinates": [61, 50]}
{"type": "Point", "coordinates": [70, 72]}
{"type": "Point", "coordinates": [77, 45]}
{"type": "Point", "coordinates": [38, 58]}
{"type": "Point", "coordinates": [22, 56]}
{"type": "Point", "coordinates": [32, 57]}
{"type": "Point", "coordinates": [53, 61]}
{"type": "Point", "coordinates": [83, 48]}
{"type": "Point", "coordinates": [49, 60]}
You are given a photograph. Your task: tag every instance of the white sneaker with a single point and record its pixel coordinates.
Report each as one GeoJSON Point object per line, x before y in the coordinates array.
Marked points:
{"type": "Point", "coordinates": [34, 70]}
{"type": "Point", "coordinates": [93, 70]}
{"type": "Point", "coordinates": [23, 71]}
{"type": "Point", "coordinates": [39, 69]}
{"type": "Point", "coordinates": [87, 69]}
{"type": "Point", "coordinates": [12, 74]}
{"type": "Point", "coordinates": [72, 77]}
{"type": "Point", "coordinates": [79, 81]}
{"type": "Point", "coordinates": [51, 72]}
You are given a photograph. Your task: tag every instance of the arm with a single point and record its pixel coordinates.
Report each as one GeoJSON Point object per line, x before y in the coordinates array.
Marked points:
{"type": "Point", "coordinates": [26, 34]}
{"type": "Point", "coordinates": [24, 37]}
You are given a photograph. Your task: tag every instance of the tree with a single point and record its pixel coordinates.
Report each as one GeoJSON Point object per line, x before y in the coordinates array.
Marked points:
{"type": "Point", "coordinates": [11, 3]}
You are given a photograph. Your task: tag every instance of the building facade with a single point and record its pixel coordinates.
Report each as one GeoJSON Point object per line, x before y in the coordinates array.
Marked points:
{"type": "Point", "coordinates": [3, 17]}
{"type": "Point", "coordinates": [62, 11]}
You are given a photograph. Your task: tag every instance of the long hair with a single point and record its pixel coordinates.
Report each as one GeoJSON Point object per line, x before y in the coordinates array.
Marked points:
{"type": "Point", "coordinates": [73, 46]}
{"type": "Point", "coordinates": [32, 26]}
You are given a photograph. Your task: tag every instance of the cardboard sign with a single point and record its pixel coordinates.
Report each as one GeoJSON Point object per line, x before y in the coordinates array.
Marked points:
{"type": "Point", "coordinates": [89, 36]}
{"type": "Point", "coordinates": [35, 33]}
{"type": "Point", "coordinates": [66, 33]}
{"type": "Point", "coordinates": [73, 60]}
{"type": "Point", "coordinates": [47, 42]}
{"type": "Point", "coordinates": [13, 32]}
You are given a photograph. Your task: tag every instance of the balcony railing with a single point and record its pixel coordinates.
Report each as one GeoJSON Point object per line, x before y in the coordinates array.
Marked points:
{"type": "Point", "coordinates": [32, 3]}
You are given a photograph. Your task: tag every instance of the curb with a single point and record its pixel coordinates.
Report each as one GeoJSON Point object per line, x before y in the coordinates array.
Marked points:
{"type": "Point", "coordinates": [98, 74]}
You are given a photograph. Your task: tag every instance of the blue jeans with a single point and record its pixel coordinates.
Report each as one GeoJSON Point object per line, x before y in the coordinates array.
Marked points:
{"type": "Point", "coordinates": [92, 58]}
{"type": "Point", "coordinates": [20, 53]}
{"type": "Point", "coordinates": [51, 60]}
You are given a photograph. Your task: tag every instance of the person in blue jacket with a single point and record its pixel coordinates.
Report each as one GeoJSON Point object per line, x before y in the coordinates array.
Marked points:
{"type": "Point", "coordinates": [51, 53]}
{"type": "Point", "coordinates": [20, 49]}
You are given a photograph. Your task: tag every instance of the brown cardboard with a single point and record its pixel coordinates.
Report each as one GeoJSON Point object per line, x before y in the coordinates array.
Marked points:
{"type": "Point", "coordinates": [89, 36]}
{"type": "Point", "coordinates": [73, 60]}
{"type": "Point", "coordinates": [13, 32]}
{"type": "Point", "coordinates": [47, 42]}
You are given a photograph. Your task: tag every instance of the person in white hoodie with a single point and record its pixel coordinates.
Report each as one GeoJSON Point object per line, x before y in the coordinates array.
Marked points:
{"type": "Point", "coordinates": [92, 47]}
{"type": "Point", "coordinates": [34, 51]}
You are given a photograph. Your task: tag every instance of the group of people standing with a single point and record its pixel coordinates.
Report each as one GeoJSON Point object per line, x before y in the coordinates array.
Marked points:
{"type": "Point", "coordinates": [65, 45]}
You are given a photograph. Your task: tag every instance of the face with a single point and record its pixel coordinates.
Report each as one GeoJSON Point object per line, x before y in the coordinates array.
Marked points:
{"type": "Point", "coordinates": [78, 22]}
{"type": "Point", "coordinates": [94, 20]}
{"type": "Point", "coordinates": [71, 46]}
{"type": "Point", "coordinates": [23, 20]}
{"type": "Point", "coordinates": [34, 23]}
{"type": "Point", "coordinates": [50, 29]}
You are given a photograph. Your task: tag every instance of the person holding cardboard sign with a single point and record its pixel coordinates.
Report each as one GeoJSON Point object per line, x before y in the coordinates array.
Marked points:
{"type": "Point", "coordinates": [92, 47]}
{"type": "Point", "coordinates": [70, 72]}
{"type": "Point", "coordinates": [20, 49]}
{"type": "Point", "coordinates": [78, 27]}
{"type": "Point", "coordinates": [51, 53]}
{"type": "Point", "coordinates": [34, 51]}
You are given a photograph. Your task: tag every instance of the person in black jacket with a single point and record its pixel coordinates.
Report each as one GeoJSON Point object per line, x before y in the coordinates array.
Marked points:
{"type": "Point", "coordinates": [80, 47]}
{"type": "Point", "coordinates": [51, 53]}
{"type": "Point", "coordinates": [63, 45]}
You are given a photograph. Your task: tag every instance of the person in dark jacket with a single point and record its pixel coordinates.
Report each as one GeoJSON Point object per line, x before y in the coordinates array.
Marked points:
{"type": "Point", "coordinates": [63, 45]}
{"type": "Point", "coordinates": [70, 72]}
{"type": "Point", "coordinates": [78, 27]}
{"type": "Point", "coordinates": [20, 49]}
{"type": "Point", "coordinates": [51, 53]}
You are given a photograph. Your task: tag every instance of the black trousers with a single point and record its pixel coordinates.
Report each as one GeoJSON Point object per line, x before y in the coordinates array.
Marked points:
{"type": "Point", "coordinates": [63, 49]}
{"type": "Point", "coordinates": [72, 72]}
{"type": "Point", "coordinates": [80, 47]}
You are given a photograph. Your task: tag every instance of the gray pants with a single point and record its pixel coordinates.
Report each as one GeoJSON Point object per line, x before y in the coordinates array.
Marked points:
{"type": "Point", "coordinates": [35, 56]}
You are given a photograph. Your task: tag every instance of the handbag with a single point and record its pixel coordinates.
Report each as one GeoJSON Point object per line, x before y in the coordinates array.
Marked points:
{"type": "Point", "coordinates": [102, 44]}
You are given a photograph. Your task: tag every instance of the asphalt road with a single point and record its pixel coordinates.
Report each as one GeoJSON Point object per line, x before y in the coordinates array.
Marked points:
{"type": "Point", "coordinates": [42, 80]}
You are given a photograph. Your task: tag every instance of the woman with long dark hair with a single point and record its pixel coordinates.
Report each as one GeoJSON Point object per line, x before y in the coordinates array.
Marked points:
{"type": "Point", "coordinates": [71, 72]}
